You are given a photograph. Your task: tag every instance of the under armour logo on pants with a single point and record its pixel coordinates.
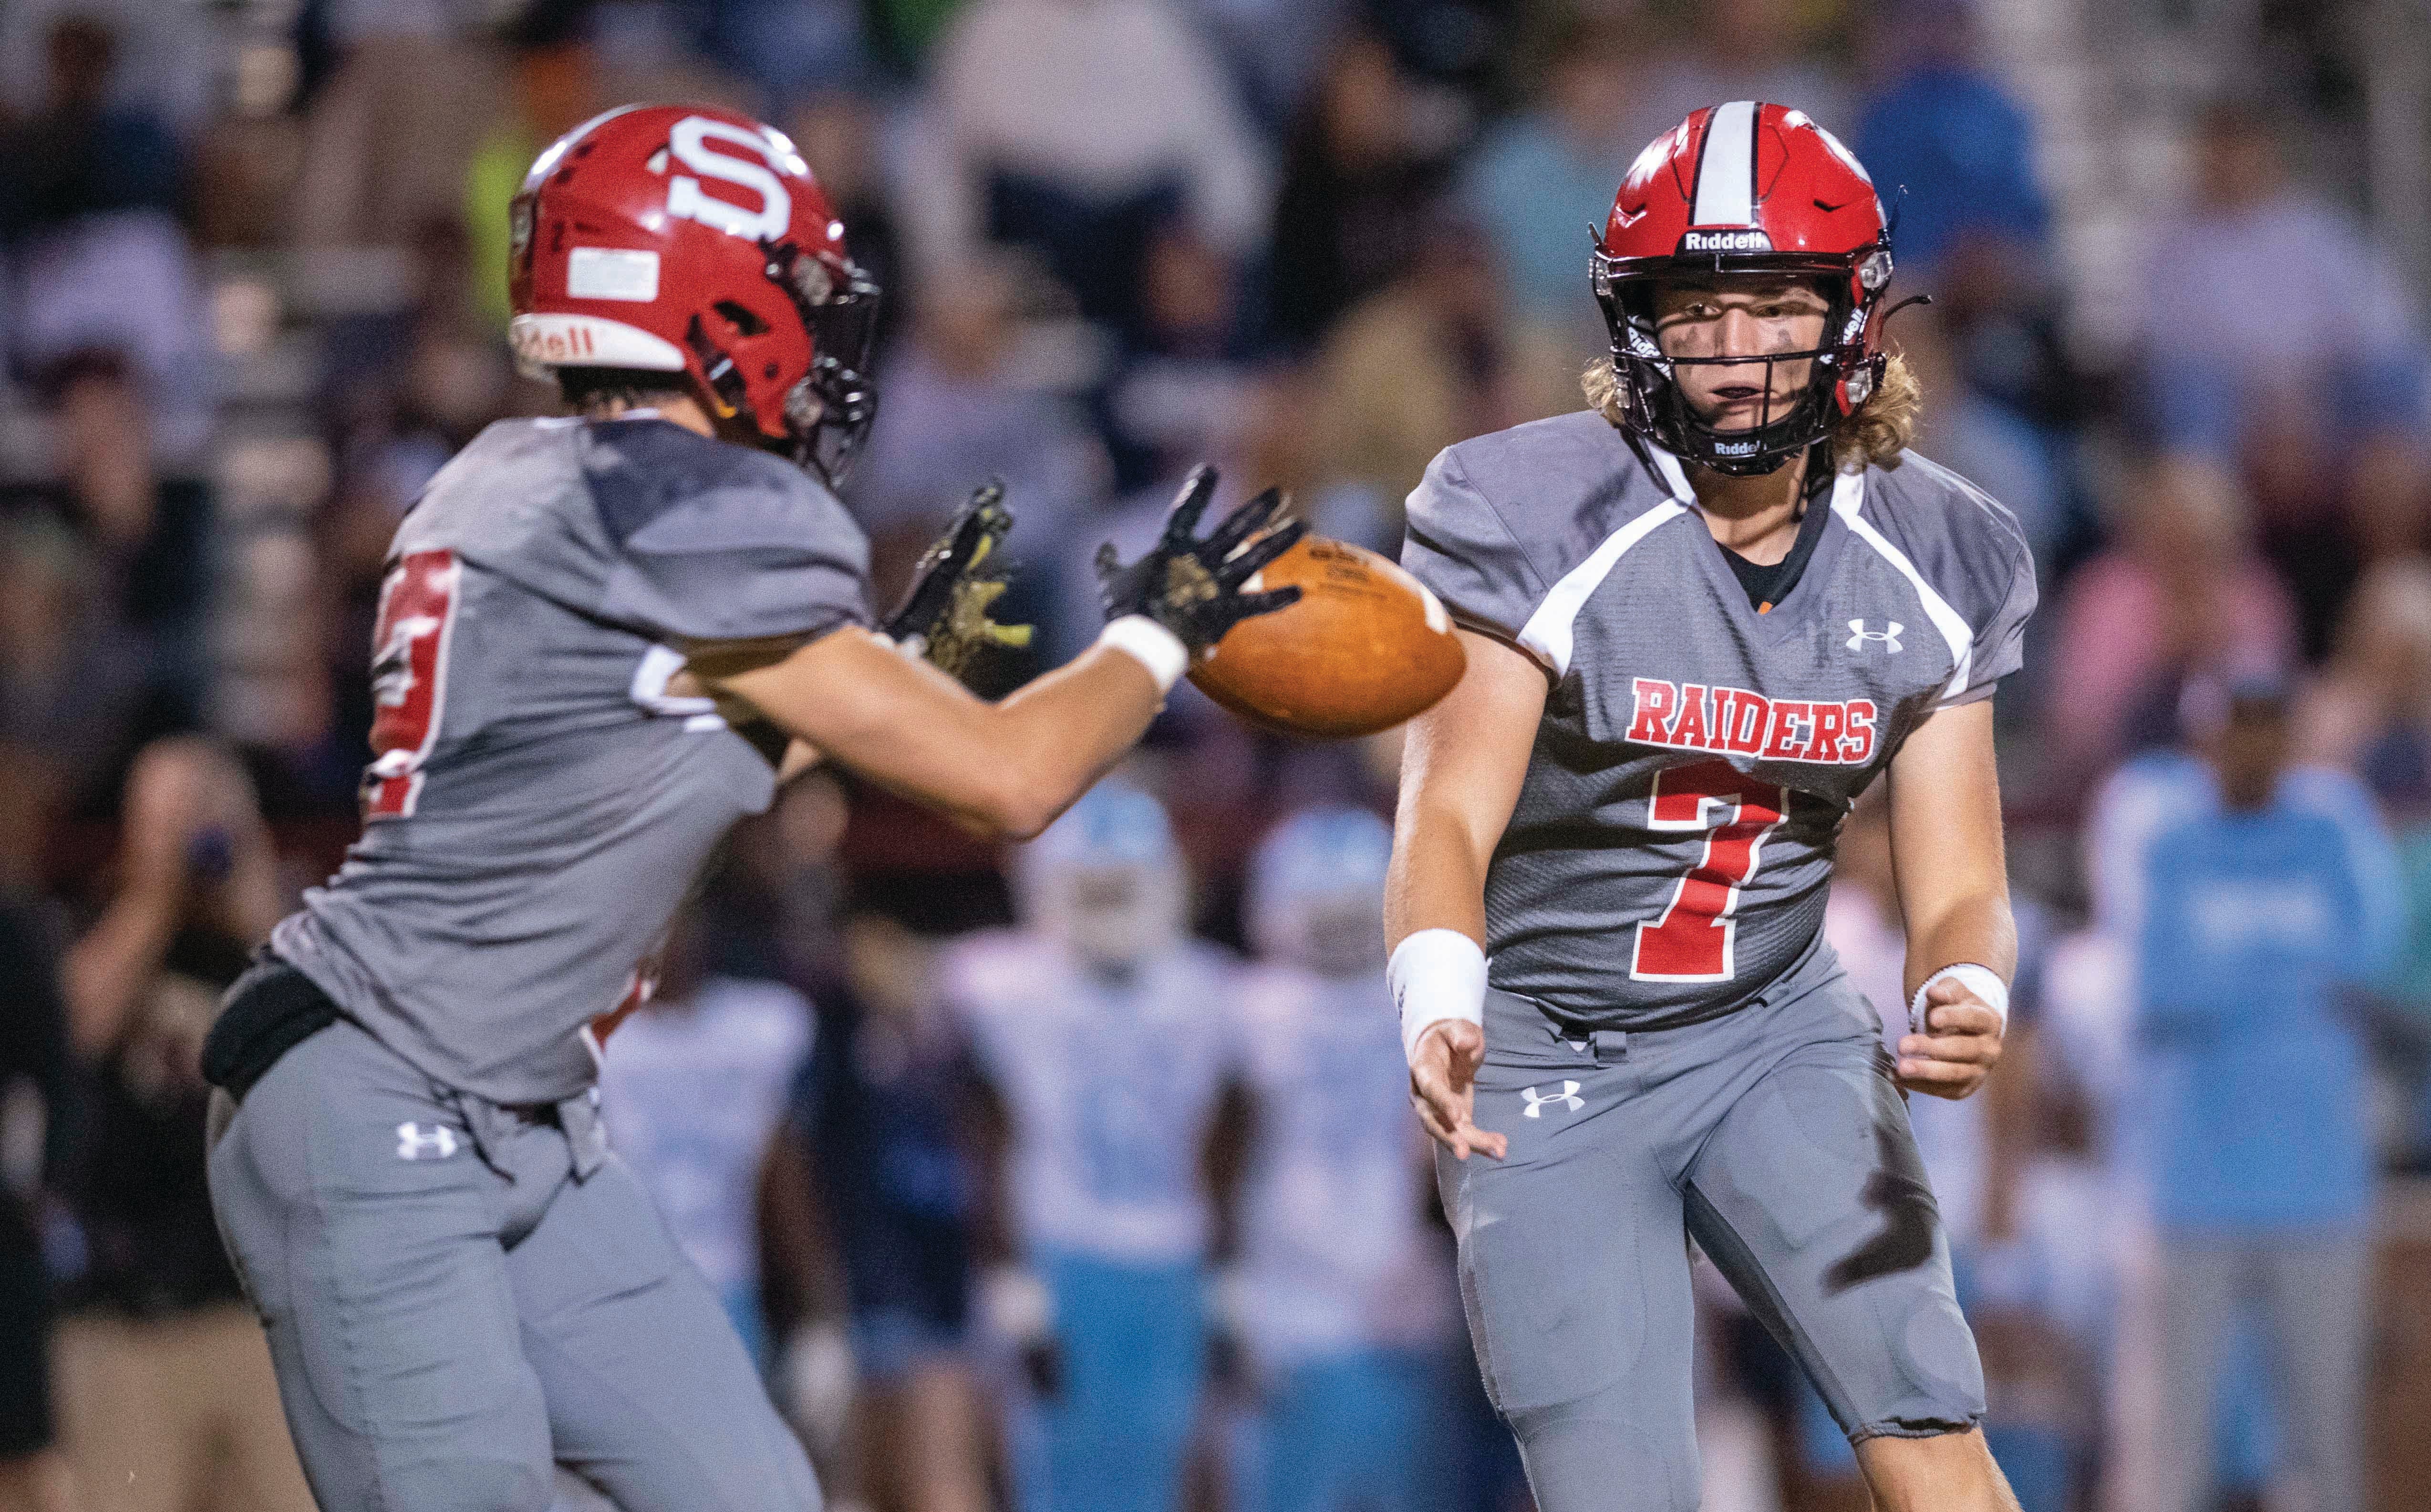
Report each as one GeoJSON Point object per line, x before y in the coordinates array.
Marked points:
{"type": "Point", "coordinates": [1569, 1096]}
{"type": "Point", "coordinates": [412, 1144]}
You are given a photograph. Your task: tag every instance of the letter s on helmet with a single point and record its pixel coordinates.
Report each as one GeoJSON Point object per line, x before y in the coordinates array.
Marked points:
{"type": "Point", "coordinates": [1754, 188]}
{"type": "Point", "coordinates": [690, 240]}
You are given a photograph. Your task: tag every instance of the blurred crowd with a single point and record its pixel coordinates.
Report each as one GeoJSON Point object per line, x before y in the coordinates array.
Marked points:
{"type": "Point", "coordinates": [1080, 1180]}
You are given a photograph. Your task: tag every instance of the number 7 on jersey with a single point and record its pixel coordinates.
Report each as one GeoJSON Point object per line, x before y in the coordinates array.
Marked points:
{"type": "Point", "coordinates": [1693, 939]}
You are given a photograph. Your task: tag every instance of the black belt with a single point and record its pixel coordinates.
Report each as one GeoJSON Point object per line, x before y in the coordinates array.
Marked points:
{"type": "Point", "coordinates": [271, 1009]}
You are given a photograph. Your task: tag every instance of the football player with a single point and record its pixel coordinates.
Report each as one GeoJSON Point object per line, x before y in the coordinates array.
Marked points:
{"type": "Point", "coordinates": [1701, 616]}
{"type": "Point", "coordinates": [1103, 1032]}
{"type": "Point", "coordinates": [596, 634]}
{"type": "Point", "coordinates": [1342, 1285]}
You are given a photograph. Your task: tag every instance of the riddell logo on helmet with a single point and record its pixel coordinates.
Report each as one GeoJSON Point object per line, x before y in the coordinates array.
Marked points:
{"type": "Point", "coordinates": [1724, 241]}
{"type": "Point", "coordinates": [563, 342]}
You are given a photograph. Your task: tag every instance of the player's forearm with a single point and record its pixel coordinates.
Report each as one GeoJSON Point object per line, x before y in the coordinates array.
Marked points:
{"type": "Point", "coordinates": [1437, 880]}
{"type": "Point", "coordinates": [1462, 765]}
{"type": "Point", "coordinates": [1435, 919]}
{"type": "Point", "coordinates": [1971, 928]}
{"type": "Point", "coordinates": [1057, 735]}
{"type": "Point", "coordinates": [1006, 768]}
{"type": "Point", "coordinates": [1947, 856]}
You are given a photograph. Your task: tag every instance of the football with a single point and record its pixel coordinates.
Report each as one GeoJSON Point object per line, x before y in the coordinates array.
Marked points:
{"type": "Point", "coordinates": [1366, 646]}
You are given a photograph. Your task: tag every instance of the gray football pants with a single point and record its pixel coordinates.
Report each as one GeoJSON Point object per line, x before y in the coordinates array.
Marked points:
{"type": "Point", "coordinates": [457, 1296]}
{"type": "Point", "coordinates": [2311, 1293]}
{"type": "Point", "coordinates": [1774, 1137]}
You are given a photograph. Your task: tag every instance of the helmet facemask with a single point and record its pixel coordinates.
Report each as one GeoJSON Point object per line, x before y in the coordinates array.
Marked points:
{"type": "Point", "coordinates": [1653, 404]}
{"type": "Point", "coordinates": [829, 410]}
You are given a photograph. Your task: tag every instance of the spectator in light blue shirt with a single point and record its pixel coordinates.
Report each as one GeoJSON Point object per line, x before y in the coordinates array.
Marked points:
{"type": "Point", "coordinates": [2260, 910]}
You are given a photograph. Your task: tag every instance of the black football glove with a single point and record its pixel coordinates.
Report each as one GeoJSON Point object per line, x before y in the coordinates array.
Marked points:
{"type": "Point", "coordinates": [945, 613]}
{"type": "Point", "coordinates": [1193, 587]}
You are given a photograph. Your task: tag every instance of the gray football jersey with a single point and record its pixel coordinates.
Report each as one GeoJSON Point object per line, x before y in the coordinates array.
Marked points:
{"type": "Point", "coordinates": [1668, 855]}
{"type": "Point", "coordinates": [538, 802]}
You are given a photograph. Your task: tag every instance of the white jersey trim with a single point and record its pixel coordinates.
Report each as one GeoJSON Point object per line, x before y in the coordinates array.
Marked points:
{"type": "Point", "coordinates": [1549, 630]}
{"type": "Point", "coordinates": [1675, 476]}
{"type": "Point", "coordinates": [1848, 501]}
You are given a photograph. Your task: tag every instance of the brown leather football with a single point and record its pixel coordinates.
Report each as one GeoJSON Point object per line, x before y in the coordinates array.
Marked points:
{"type": "Point", "coordinates": [1366, 646]}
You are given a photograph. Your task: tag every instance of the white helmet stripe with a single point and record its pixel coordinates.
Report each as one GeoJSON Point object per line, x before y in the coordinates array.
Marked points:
{"type": "Point", "coordinates": [1726, 168]}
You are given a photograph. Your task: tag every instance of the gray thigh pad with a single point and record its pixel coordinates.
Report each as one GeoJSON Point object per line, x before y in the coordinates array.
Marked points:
{"type": "Point", "coordinates": [1810, 1195]}
{"type": "Point", "coordinates": [367, 1228]}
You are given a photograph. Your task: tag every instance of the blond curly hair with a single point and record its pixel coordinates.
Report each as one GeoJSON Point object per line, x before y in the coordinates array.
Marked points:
{"type": "Point", "coordinates": [1874, 436]}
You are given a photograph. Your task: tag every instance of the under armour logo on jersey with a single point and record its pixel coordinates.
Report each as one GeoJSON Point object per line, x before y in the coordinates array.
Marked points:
{"type": "Point", "coordinates": [412, 1144]}
{"type": "Point", "coordinates": [1859, 635]}
{"type": "Point", "coordinates": [1567, 1096]}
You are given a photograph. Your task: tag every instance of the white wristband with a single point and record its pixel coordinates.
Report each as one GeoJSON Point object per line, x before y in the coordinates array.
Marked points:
{"type": "Point", "coordinates": [1980, 981]}
{"type": "Point", "coordinates": [1155, 647]}
{"type": "Point", "coordinates": [1435, 975]}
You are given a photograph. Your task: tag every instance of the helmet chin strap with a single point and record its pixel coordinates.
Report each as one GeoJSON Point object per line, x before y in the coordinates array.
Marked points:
{"type": "Point", "coordinates": [1760, 466]}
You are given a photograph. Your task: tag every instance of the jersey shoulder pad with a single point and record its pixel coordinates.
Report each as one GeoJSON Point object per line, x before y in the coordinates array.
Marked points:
{"type": "Point", "coordinates": [501, 502]}
{"type": "Point", "coordinates": [715, 542]}
{"type": "Point", "coordinates": [1499, 520]}
{"type": "Point", "coordinates": [1968, 551]}
{"type": "Point", "coordinates": [1922, 497]}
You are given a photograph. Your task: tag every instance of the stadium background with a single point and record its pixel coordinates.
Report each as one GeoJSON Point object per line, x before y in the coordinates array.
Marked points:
{"type": "Point", "coordinates": [254, 296]}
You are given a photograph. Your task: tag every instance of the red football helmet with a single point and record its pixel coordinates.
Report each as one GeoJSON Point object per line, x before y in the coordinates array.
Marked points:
{"type": "Point", "coordinates": [689, 239]}
{"type": "Point", "coordinates": [1744, 188]}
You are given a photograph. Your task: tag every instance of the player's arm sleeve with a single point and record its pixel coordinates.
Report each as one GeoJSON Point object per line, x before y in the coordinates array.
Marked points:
{"type": "Point", "coordinates": [1999, 646]}
{"type": "Point", "coordinates": [766, 556]}
{"type": "Point", "coordinates": [1459, 545]}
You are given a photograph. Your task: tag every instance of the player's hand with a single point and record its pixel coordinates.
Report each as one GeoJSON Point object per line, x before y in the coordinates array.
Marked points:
{"type": "Point", "coordinates": [1193, 587]}
{"type": "Point", "coordinates": [1443, 1088]}
{"type": "Point", "coordinates": [1960, 1043]}
{"type": "Point", "coordinates": [944, 616]}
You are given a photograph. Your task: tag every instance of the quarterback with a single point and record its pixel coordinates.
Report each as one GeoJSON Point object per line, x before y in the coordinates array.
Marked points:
{"type": "Point", "coordinates": [603, 640]}
{"type": "Point", "coordinates": [1700, 619]}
